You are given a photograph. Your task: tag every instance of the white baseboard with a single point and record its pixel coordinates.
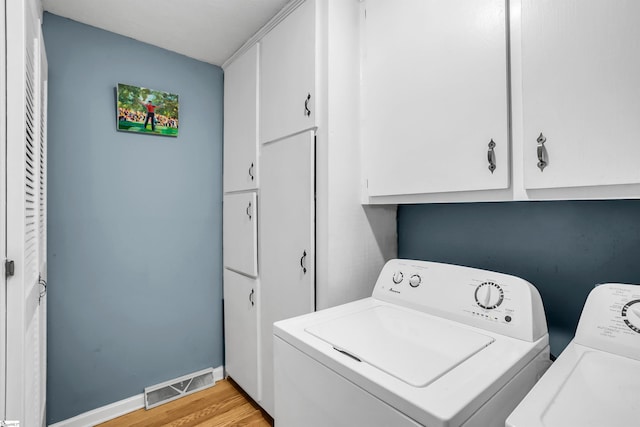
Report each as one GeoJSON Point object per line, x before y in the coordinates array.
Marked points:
{"type": "Point", "coordinates": [218, 374]}
{"type": "Point", "coordinates": [116, 409]}
{"type": "Point", "coordinates": [104, 413]}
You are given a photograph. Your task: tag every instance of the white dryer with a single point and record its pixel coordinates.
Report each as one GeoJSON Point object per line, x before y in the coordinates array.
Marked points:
{"type": "Point", "coordinates": [435, 345]}
{"type": "Point", "coordinates": [595, 382]}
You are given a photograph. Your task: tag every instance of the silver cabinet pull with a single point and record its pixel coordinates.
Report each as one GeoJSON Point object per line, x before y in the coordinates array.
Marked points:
{"type": "Point", "coordinates": [251, 171]}
{"type": "Point", "coordinates": [543, 157]}
{"type": "Point", "coordinates": [491, 156]}
{"type": "Point", "coordinates": [251, 297]}
{"type": "Point", "coordinates": [249, 211]}
{"type": "Point", "coordinates": [302, 262]}
{"type": "Point", "coordinates": [307, 112]}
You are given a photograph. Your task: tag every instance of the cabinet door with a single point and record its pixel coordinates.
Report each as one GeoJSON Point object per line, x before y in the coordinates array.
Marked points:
{"type": "Point", "coordinates": [240, 233]}
{"type": "Point", "coordinates": [287, 247]}
{"type": "Point", "coordinates": [241, 122]}
{"type": "Point", "coordinates": [434, 96]}
{"type": "Point", "coordinates": [241, 331]}
{"type": "Point", "coordinates": [287, 75]}
{"type": "Point", "coordinates": [581, 91]}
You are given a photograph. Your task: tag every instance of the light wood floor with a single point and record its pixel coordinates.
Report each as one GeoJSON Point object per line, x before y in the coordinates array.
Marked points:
{"type": "Point", "coordinates": [222, 405]}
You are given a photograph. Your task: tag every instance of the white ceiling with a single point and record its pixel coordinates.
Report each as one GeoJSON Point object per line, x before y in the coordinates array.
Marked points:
{"type": "Point", "coordinates": [207, 30]}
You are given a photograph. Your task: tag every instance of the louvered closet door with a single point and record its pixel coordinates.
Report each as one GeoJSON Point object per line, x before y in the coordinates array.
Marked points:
{"type": "Point", "coordinates": [26, 214]}
{"type": "Point", "coordinates": [3, 219]}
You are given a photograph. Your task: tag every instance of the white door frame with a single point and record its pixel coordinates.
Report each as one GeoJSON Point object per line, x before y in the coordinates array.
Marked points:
{"type": "Point", "coordinates": [15, 212]}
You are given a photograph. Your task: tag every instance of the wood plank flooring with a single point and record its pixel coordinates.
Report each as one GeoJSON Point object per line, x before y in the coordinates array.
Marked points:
{"type": "Point", "coordinates": [223, 405]}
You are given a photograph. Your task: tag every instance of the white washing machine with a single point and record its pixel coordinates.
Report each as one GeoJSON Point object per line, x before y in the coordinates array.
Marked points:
{"type": "Point", "coordinates": [435, 345]}
{"type": "Point", "coordinates": [595, 382]}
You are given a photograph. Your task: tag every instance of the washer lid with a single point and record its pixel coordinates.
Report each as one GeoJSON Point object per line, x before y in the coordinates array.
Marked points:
{"type": "Point", "coordinates": [413, 347]}
{"type": "Point", "coordinates": [601, 390]}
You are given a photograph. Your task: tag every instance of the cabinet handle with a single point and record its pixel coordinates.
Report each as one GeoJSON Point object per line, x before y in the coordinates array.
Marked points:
{"type": "Point", "coordinates": [251, 297]}
{"type": "Point", "coordinates": [307, 112]}
{"type": "Point", "coordinates": [251, 171]}
{"type": "Point", "coordinates": [249, 211]}
{"type": "Point", "coordinates": [543, 157]}
{"type": "Point", "coordinates": [491, 156]}
{"type": "Point", "coordinates": [302, 262]}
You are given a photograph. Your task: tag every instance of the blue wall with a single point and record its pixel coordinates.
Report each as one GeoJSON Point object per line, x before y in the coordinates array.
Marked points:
{"type": "Point", "coordinates": [135, 222]}
{"type": "Point", "coordinates": [563, 248]}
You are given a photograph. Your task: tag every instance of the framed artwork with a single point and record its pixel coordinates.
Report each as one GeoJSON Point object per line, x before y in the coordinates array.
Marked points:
{"type": "Point", "coordinates": [143, 110]}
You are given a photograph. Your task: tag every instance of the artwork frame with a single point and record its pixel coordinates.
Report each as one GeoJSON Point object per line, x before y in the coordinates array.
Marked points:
{"type": "Point", "coordinates": [146, 111]}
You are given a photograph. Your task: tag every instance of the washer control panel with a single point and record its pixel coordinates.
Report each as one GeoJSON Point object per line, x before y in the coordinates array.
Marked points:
{"type": "Point", "coordinates": [493, 301]}
{"type": "Point", "coordinates": [610, 320]}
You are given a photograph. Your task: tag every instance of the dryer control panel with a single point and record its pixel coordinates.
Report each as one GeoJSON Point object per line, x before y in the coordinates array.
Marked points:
{"type": "Point", "coordinates": [496, 302]}
{"type": "Point", "coordinates": [610, 320]}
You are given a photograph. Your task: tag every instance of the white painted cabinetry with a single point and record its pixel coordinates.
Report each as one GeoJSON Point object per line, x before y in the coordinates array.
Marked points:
{"type": "Point", "coordinates": [318, 246]}
{"type": "Point", "coordinates": [287, 246]}
{"type": "Point", "coordinates": [241, 122]}
{"type": "Point", "coordinates": [581, 92]}
{"type": "Point", "coordinates": [240, 232]}
{"type": "Point", "coordinates": [240, 219]}
{"type": "Point", "coordinates": [437, 78]}
{"type": "Point", "coordinates": [287, 75]}
{"type": "Point", "coordinates": [241, 331]}
{"type": "Point", "coordinates": [435, 101]}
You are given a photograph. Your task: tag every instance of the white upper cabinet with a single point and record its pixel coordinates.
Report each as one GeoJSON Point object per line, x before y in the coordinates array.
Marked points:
{"type": "Point", "coordinates": [434, 96]}
{"type": "Point", "coordinates": [240, 233]}
{"type": "Point", "coordinates": [581, 91]}
{"type": "Point", "coordinates": [241, 122]}
{"type": "Point", "coordinates": [287, 75]}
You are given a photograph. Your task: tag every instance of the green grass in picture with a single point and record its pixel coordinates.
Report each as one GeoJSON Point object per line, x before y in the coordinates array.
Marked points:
{"type": "Point", "coordinates": [137, 127]}
{"type": "Point", "coordinates": [147, 111]}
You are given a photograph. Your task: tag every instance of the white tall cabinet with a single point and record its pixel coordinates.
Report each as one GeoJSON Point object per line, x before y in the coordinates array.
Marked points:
{"type": "Point", "coordinates": [287, 240]}
{"type": "Point", "coordinates": [241, 286]}
{"type": "Point", "coordinates": [318, 246]}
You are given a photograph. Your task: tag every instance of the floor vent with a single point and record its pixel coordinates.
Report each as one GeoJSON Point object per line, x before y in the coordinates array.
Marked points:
{"type": "Point", "coordinates": [177, 388]}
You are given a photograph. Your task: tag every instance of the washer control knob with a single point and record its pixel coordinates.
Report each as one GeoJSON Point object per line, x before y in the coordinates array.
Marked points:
{"type": "Point", "coordinates": [397, 277]}
{"type": "Point", "coordinates": [489, 295]}
{"type": "Point", "coordinates": [631, 315]}
{"type": "Point", "coordinates": [415, 281]}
